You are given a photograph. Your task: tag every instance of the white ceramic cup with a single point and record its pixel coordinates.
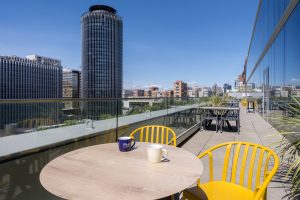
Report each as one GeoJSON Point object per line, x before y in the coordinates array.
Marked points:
{"type": "Point", "coordinates": [156, 153]}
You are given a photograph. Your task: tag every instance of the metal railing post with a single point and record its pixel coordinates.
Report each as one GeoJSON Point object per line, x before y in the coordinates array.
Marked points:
{"type": "Point", "coordinates": [117, 121]}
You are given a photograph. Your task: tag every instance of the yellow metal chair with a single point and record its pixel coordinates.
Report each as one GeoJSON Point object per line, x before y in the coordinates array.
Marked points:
{"type": "Point", "coordinates": [244, 102]}
{"type": "Point", "coordinates": [155, 134]}
{"type": "Point", "coordinates": [257, 159]}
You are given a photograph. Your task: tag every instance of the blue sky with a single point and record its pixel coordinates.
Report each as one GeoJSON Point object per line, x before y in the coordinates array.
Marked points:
{"type": "Point", "coordinates": [197, 41]}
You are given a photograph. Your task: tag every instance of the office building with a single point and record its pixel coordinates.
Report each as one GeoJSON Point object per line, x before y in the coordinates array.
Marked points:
{"type": "Point", "coordinates": [190, 92]}
{"type": "Point", "coordinates": [273, 57]}
{"type": "Point", "coordinates": [167, 93]}
{"type": "Point", "coordinates": [147, 93]}
{"type": "Point", "coordinates": [102, 64]}
{"type": "Point", "coordinates": [127, 93]}
{"type": "Point", "coordinates": [180, 89]}
{"type": "Point", "coordinates": [193, 91]}
{"type": "Point", "coordinates": [138, 93]}
{"type": "Point", "coordinates": [154, 91]}
{"type": "Point", "coordinates": [204, 92]}
{"type": "Point", "coordinates": [239, 81]}
{"type": "Point", "coordinates": [33, 77]}
{"type": "Point", "coordinates": [71, 83]}
{"type": "Point", "coordinates": [226, 87]}
{"type": "Point", "coordinates": [71, 86]}
{"type": "Point", "coordinates": [216, 90]}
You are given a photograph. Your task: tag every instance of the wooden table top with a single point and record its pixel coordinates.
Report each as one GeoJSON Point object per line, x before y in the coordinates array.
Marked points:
{"type": "Point", "coordinates": [219, 108]}
{"type": "Point", "coordinates": [103, 172]}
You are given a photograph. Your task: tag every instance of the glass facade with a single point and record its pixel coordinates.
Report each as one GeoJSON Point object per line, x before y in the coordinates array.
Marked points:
{"type": "Point", "coordinates": [71, 83]}
{"type": "Point", "coordinates": [33, 77]}
{"type": "Point", "coordinates": [102, 70]}
{"type": "Point", "coordinates": [71, 87]}
{"type": "Point", "coordinates": [274, 62]}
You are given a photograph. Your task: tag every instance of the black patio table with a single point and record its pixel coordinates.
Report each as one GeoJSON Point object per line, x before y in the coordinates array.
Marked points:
{"type": "Point", "coordinates": [221, 114]}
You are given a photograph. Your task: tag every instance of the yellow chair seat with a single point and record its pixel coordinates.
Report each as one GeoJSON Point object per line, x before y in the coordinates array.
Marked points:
{"type": "Point", "coordinates": [219, 190]}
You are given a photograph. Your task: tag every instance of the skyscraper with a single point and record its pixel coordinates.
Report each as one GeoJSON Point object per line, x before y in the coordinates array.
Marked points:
{"type": "Point", "coordinates": [180, 89]}
{"type": "Point", "coordinates": [71, 86]}
{"type": "Point", "coordinates": [33, 77]}
{"type": "Point", "coordinates": [71, 83]}
{"type": "Point", "coordinates": [226, 87]}
{"type": "Point", "coordinates": [102, 64]}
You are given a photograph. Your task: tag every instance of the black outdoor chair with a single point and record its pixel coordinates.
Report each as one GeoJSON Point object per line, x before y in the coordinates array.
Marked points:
{"type": "Point", "coordinates": [231, 115]}
{"type": "Point", "coordinates": [208, 117]}
{"type": "Point", "coordinates": [233, 104]}
{"type": "Point", "coordinates": [176, 119]}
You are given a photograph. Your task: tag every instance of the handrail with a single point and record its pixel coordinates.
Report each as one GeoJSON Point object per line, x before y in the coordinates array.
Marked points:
{"type": "Point", "coordinates": [87, 133]}
{"type": "Point", "coordinates": [50, 100]}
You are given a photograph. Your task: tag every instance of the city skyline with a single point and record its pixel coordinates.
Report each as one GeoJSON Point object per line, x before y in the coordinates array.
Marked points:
{"type": "Point", "coordinates": [154, 45]}
{"type": "Point", "coordinates": [82, 80]}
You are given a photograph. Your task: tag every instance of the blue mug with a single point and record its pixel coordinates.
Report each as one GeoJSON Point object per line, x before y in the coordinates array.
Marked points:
{"type": "Point", "coordinates": [125, 143]}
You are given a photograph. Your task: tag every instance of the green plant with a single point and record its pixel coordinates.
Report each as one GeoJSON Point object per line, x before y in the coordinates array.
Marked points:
{"type": "Point", "coordinates": [291, 166]}
{"type": "Point", "coordinates": [216, 100]}
{"type": "Point", "coordinates": [105, 116]}
{"type": "Point", "coordinates": [289, 126]}
{"type": "Point", "coordinates": [179, 102]}
{"type": "Point", "coordinates": [70, 122]}
{"type": "Point", "coordinates": [41, 128]}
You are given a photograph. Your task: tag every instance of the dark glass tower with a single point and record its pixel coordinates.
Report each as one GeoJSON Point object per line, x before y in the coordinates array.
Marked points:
{"type": "Point", "coordinates": [102, 70]}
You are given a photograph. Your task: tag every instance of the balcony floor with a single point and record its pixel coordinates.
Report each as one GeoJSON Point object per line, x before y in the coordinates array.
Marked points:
{"type": "Point", "coordinates": [253, 129]}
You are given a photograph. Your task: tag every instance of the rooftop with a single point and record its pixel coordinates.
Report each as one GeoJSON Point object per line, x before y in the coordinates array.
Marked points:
{"type": "Point", "coordinates": [24, 160]}
{"type": "Point", "coordinates": [253, 129]}
{"type": "Point", "coordinates": [102, 7]}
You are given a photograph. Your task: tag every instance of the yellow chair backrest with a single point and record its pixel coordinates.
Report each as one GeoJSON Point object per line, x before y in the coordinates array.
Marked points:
{"type": "Point", "coordinates": [244, 102]}
{"type": "Point", "coordinates": [155, 134]}
{"type": "Point", "coordinates": [261, 163]}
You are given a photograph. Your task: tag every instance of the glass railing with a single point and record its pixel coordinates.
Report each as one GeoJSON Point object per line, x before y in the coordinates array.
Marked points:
{"type": "Point", "coordinates": [33, 132]}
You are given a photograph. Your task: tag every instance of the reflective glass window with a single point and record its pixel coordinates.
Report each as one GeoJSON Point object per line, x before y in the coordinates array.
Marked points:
{"type": "Point", "coordinates": [292, 53]}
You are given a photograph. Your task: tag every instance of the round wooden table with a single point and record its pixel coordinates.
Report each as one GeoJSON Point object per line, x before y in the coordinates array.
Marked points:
{"type": "Point", "coordinates": [103, 172]}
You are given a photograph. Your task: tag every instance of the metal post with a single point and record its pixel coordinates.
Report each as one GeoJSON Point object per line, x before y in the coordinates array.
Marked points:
{"type": "Point", "coordinates": [117, 121]}
{"type": "Point", "coordinates": [167, 116]}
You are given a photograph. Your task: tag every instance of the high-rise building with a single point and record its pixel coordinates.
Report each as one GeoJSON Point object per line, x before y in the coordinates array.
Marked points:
{"type": "Point", "coordinates": [33, 77]}
{"type": "Point", "coordinates": [102, 65]}
{"type": "Point", "coordinates": [180, 89]}
{"type": "Point", "coordinates": [71, 83]}
{"type": "Point", "coordinates": [214, 89]}
{"type": "Point", "coordinates": [71, 86]}
{"type": "Point", "coordinates": [226, 87]}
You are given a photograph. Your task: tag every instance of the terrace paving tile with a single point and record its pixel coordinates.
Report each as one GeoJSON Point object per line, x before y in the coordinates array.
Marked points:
{"type": "Point", "coordinates": [253, 129]}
